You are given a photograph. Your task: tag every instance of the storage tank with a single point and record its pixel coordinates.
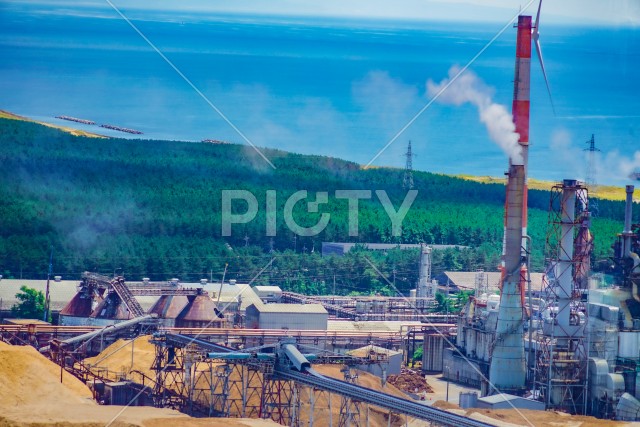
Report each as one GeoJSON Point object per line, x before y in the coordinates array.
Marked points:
{"type": "Point", "coordinates": [432, 351]}
{"type": "Point", "coordinates": [199, 312]}
{"type": "Point", "coordinates": [168, 308]}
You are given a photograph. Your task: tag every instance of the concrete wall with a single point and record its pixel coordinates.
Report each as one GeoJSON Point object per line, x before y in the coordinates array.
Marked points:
{"type": "Point", "coordinates": [463, 371]}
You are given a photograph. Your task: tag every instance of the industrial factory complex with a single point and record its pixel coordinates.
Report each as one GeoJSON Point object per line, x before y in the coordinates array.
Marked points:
{"type": "Point", "coordinates": [560, 340]}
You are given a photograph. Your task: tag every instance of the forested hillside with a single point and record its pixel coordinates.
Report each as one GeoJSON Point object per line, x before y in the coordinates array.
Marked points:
{"type": "Point", "coordinates": [152, 209]}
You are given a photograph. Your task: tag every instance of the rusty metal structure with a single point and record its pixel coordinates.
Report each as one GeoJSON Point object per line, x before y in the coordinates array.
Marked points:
{"type": "Point", "coordinates": [562, 357]}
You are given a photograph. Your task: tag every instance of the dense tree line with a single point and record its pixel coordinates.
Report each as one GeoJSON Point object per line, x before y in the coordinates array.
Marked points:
{"type": "Point", "coordinates": [153, 209]}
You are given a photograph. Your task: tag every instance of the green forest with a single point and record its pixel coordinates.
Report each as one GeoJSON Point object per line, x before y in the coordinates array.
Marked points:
{"type": "Point", "coordinates": [146, 208]}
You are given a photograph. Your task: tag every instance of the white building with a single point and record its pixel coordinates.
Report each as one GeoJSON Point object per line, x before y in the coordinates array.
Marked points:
{"type": "Point", "coordinates": [286, 316]}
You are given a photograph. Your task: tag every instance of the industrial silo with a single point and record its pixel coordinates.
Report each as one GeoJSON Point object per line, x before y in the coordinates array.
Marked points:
{"type": "Point", "coordinates": [199, 313]}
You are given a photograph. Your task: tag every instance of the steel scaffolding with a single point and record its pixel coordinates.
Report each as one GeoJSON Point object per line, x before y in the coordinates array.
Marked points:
{"type": "Point", "coordinates": [562, 347]}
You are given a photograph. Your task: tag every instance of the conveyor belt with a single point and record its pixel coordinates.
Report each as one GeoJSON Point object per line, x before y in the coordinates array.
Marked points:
{"type": "Point", "coordinates": [382, 400]}
{"type": "Point", "coordinates": [205, 345]}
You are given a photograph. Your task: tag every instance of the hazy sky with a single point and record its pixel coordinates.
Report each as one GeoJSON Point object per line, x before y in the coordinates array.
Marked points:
{"type": "Point", "coordinates": [603, 12]}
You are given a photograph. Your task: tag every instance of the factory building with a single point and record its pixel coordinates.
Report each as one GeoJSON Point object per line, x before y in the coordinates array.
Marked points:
{"type": "Point", "coordinates": [383, 361]}
{"type": "Point", "coordinates": [469, 280]}
{"type": "Point", "coordinates": [286, 316]}
{"type": "Point", "coordinates": [268, 294]}
{"type": "Point", "coordinates": [340, 249]}
{"type": "Point", "coordinates": [93, 302]}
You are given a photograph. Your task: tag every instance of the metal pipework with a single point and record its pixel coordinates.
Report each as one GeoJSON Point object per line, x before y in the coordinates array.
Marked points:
{"type": "Point", "coordinates": [107, 330]}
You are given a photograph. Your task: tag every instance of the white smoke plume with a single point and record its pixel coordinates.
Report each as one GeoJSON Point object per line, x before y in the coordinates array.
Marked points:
{"type": "Point", "coordinates": [611, 167]}
{"type": "Point", "coordinates": [469, 88]}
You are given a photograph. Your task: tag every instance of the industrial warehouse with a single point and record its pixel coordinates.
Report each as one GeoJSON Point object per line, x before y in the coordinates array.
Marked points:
{"type": "Point", "coordinates": [560, 346]}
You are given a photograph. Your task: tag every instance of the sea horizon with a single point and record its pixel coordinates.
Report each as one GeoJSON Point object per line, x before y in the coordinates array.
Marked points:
{"type": "Point", "coordinates": [338, 87]}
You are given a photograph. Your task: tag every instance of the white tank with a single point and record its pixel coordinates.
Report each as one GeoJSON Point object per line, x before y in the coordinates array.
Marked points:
{"type": "Point", "coordinates": [493, 302]}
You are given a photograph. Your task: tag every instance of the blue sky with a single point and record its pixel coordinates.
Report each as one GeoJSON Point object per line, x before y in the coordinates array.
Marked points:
{"type": "Point", "coordinates": [600, 12]}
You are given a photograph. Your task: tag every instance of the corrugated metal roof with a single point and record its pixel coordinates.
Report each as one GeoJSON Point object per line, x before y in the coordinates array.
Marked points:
{"type": "Point", "coordinates": [498, 398]}
{"type": "Point", "coordinates": [268, 288]}
{"type": "Point", "coordinates": [291, 308]}
{"type": "Point", "coordinates": [368, 349]}
{"type": "Point", "coordinates": [467, 279]}
{"type": "Point", "coordinates": [369, 326]}
{"type": "Point", "coordinates": [239, 290]}
{"type": "Point", "coordinates": [340, 248]}
{"type": "Point", "coordinates": [60, 293]}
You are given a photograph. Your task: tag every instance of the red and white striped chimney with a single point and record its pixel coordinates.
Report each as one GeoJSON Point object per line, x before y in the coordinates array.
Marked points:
{"type": "Point", "coordinates": [520, 107]}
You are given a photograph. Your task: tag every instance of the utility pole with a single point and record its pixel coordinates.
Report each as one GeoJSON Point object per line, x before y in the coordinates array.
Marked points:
{"type": "Point", "coordinates": [46, 298]}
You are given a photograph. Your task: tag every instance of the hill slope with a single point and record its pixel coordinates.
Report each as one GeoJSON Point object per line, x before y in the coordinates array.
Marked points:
{"type": "Point", "coordinates": [153, 208]}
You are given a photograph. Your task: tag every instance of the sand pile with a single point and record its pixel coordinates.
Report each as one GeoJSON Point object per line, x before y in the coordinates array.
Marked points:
{"type": "Point", "coordinates": [114, 362]}
{"type": "Point", "coordinates": [27, 377]}
{"type": "Point", "coordinates": [537, 418]}
{"type": "Point", "coordinates": [31, 394]}
{"type": "Point", "coordinates": [410, 381]}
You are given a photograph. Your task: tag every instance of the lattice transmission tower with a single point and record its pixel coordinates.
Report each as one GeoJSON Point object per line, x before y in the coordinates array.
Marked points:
{"type": "Point", "coordinates": [591, 181]}
{"type": "Point", "coordinates": [407, 182]}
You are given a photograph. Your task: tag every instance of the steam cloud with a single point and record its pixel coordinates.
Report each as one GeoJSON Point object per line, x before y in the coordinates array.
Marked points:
{"type": "Point", "coordinates": [469, 88]}
{"type": "Point", "coordinates": [612, 167]}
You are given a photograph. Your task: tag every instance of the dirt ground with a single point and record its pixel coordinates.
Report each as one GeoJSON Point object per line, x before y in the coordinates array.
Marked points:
{"type": "Point", "coordinates": [32, 394]}
{"type": "Point", "coordinates": [527, 417]}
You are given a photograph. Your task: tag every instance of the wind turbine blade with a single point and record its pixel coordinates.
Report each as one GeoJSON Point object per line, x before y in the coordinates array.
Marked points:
{"type": "Point", "coordinates": [544, 73]}
{"type": "Point", "coordinates": [535, 28]}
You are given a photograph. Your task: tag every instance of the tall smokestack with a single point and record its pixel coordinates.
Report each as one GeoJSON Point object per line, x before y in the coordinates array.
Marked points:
{"type": "Point", "coordinates": [628, 214]}
{"type": "Point", "coordinates": [521, 103]}
{"type": "Point", "coordinates": [508, 370]}
{"type": "Point", "coordinates": [628, 209]}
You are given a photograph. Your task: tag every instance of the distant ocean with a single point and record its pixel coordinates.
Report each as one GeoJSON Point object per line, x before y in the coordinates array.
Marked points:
{"type": "Point", "coordinates": [332, 87]}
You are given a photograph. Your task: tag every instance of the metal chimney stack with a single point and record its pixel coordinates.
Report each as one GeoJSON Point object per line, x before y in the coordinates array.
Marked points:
{"type": "Point", "coordinates": [424, 278]}
{"type": "Point", "coordinates": [628, 213]}
{"type": "Point", "coordinates": [508, 369]}
{"type": "Point", "coordinates": [521, 104]}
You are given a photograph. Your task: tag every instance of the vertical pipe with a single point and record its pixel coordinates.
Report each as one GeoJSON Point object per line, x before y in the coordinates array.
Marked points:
{"type": "Point", "coordinates": [628, 209]}
{"type": "Point", "coordinates": [628, 213]}
{"type": "Point", "coordinates": [564, 267]}
{"type": "Point", "coordinates": [507, 370]}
